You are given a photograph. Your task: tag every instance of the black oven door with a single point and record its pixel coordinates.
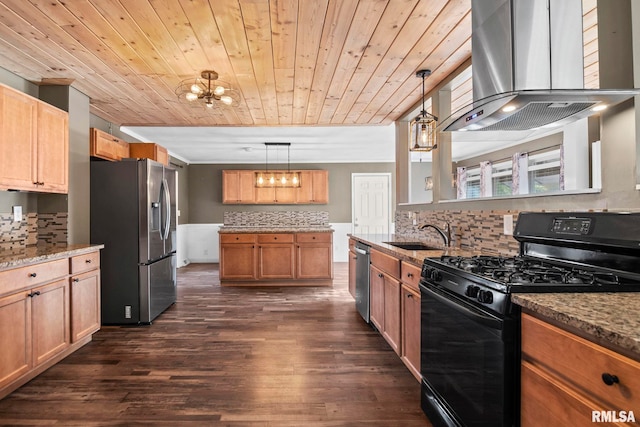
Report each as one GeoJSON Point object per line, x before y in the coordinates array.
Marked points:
{"type": "Point", "coordinates": [468, 362]}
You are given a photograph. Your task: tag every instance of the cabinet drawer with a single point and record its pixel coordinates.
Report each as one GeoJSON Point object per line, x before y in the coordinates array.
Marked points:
{"type": "Point", "coordinates": [410, 275]}
{"type": "Point", "coordinates": [86, 262]}
{"type": "Point", "coordinates": [26, 277]}
{"type": "Point", "coordinates": [313, 237]}
{"type": "Point", "coordinates": [237, 238]}
{"type": "Point", "coordinates": [386, 263]}
{"type": "Point", "coordinates": [581, 363]}
{"type": "Point", "coordinates": [275, 238]}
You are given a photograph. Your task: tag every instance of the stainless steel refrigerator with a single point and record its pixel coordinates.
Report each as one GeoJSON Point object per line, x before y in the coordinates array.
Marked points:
{"type": "Point", "coordinates": [133, 213]}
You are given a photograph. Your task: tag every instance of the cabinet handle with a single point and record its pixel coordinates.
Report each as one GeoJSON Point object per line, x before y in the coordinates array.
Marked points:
{"type": "Point", "coordinates": [275, 238]}
{"type": "Point", "coordinates": [380, 275]}
{"type": "Point", "coordinates": [409, 295]}
{"type": "Point", "coordinates": [33, 274]}
{"type": "Point", "coordinates": [88, 261]}
{"type": "Point", "coordinates": [609, 379]}
{"type": "Point", "coordinates": [76, 280]}
{"type": "Point", "coordinates": [34, 294]}
{"type": "Point", "coordinates": [409, 274]}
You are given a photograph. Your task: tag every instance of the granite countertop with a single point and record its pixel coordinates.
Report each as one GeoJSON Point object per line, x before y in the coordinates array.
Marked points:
{"type": "Point", "coordinates": [276, 229]}
{"type": "Point", "coordinates": [379, 242]}
{"type": "Point", "coordinates": [609, 319]}
{"type": "Point", "coordinates": [11, 258]}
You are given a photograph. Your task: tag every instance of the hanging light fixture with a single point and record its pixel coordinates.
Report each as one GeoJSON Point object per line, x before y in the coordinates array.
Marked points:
{"type": "Point", "coordinates": [207, 89]}
{"type": "Point", "coordinates": [277, 178]}
{"type": "Point", "coordinates": [423, 127]}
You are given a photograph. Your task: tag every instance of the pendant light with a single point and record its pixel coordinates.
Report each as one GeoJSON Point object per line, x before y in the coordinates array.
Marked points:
{"type": "Point", "coordinates": [423, 127]}
{"type": "Point", "coordinates": [277, 178]}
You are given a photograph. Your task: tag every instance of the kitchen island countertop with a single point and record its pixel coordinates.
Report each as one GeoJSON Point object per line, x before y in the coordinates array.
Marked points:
{"type": "Point", "coordinates": [609, 319]}
{"type": "Point", "coordinates": [11, 258]}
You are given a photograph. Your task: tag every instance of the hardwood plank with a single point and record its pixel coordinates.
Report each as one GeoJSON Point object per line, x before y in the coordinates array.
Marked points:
{"type": "Point", "coordinates": [273, 356]}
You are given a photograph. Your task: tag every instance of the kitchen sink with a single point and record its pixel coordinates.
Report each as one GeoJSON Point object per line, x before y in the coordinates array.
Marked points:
{"type": "Point", "coordinates": [413, 246]}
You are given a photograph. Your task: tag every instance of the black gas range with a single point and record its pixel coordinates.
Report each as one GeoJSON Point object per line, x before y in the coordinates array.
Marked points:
{"type": "Point", "coordinates": [470, 329]}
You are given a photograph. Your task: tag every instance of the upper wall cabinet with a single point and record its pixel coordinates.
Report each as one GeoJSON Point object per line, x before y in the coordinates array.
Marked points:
{"type": "Point", "coordinates": [34, 144]}
{"type": "Point", "coordinates": [106, 146]}
{"type": "Point", "coordinates": [238, 187]}
{"type": "Point", "coordinates": [149, 150]}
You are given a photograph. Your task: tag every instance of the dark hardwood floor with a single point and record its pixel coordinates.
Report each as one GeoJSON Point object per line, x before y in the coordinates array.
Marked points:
{"type": "Point", "coordinates": [232, 356]}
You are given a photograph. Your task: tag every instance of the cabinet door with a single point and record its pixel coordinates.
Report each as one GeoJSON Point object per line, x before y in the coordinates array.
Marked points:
{"type": "Point", "coordinates": [376, 298]}
{"type": "Point", "coordinates": [18, 137]}
{"type": "Point", "coordinates": [352, 273]}
{"type": "Point", "coordinates": [237, 262]}
{"type": "Point", "coordinates": [286, 195]}
{"type": "Point", "coordinates": [246, 186]}
{"type": "Point", "coordinates": [85, 304]}
{"type": "Point", "coordinates": [53, 149]}
{"type": "Point", "coordinates": [106, 146]}
{"type": "Point", "coordinates": [50, 320]}
{"type": "Point", "coordinates": [392, 318]}
{"type": "Point", "coordinates": [411, 330]}
{"type": "Point", "coordinates": [314, 261]}
{"type": "Point", "coordinates": [314, 187]}
{"type": "Point", "coordinates": [15, 337]}
{"type": "Point", "coordinates": [238, 186]}
{"type": "Point", "coordinates": [276, 261]}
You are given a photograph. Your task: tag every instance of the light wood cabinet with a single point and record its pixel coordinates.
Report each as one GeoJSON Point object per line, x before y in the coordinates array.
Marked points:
{"type": "Point", "coordinates": [384, 297]}
{"type": "Point", "coordinates": [276, 256]}
{"type": "Point", "coordinates": [106, 146]}
{"type": "Point", "coordinates": [149, 150]}
{"type": "Point", "coordinates": [565, 377]}
{"type": "Point", "coordinates": [85, 295]}
{"type": "Point", "coordinates": [37, 308]}
{"type": "Point", "coordinates": [238, 186]}
{"type": "Point", "coordinates": [314, 257]}
{"type": "Point", "coordinates": [34, 144]}
{"type": "Point", "coordinates": [314, 187]}
{"type": "Point", "coordinates": [410, 339]}
{"type": "Point", "coordinates": [352, 268]}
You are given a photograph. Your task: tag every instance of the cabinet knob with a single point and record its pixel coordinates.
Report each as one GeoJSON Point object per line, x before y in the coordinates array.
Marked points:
{"type": "Point", "coordinates": [33, 274]}
{"type": "Point", "coordinates": [609, 379]}
{"type": "Point", "coordinates": [380, 275]}
{"type": "Point", "coordinates": [409, 295]}
{"type": "Point", "coordinates": [409, 274]}
{"type": "Point", "coordinates": [76, 280]}
{"type": "Point", "coordinates": [88, 261]}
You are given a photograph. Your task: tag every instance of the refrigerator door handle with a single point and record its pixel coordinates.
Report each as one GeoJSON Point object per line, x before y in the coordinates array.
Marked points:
{"type": "Point", "coordinates": [164, 187]}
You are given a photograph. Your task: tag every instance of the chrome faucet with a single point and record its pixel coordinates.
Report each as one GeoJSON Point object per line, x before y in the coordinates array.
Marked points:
{"type": "Point", "coordinates": [445, 234]}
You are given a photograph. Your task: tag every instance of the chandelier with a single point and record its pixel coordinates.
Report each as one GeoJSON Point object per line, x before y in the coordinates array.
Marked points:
{"type": "Point", "coordinates": [277, 178]}
{"type": "Point", "coordinates": [423, 127]}
{"type": "Point", "coordinates": [206, 88]}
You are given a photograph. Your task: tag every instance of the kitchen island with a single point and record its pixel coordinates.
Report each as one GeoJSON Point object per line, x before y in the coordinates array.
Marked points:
{"type": "Point", "coordinates": [50, 295]}
{"type": "Point", "coordinates": [282, 256]}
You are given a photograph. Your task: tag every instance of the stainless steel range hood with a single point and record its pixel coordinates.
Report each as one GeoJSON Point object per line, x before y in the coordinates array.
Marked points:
{"type": "Point", "coordinates": [528, 68]}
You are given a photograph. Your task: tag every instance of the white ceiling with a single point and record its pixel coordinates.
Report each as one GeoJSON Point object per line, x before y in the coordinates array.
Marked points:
{"type": "Point", "coordinates": [245, 145]}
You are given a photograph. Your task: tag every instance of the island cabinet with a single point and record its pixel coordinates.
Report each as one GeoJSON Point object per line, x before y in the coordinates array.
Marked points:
{"type": "Point", "coordinates": [385, 297]}
{"type": "Point", "coordinates": [410, 313]}
{"type": "Point", "coordinates": [282, 257]}
{"type": "Point", "coordinates": [34, 144]}
{"type": "Point", "coordinates": [238, 256]}
{"type": "Point", "coordinates": [238, 186]}
{"type": "Point", "coordinates": [106, 146]}
{"type": "Point", "coordinates": [568, 380]}
{"type": "Point", "coordinates": [36, 308]}
{"type": "Point", "coordinates": [276, 258]}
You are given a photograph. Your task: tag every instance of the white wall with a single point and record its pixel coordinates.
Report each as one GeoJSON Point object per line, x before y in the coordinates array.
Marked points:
{"type": "Point", "coordinates": [199, 243]}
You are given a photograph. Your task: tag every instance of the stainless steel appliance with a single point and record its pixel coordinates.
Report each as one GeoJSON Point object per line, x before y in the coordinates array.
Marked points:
{"type": "Point", "coordinates": [470, 330]}
{"type": "Point", "coordinates": [363, 259]}
{"type": "Point", "coordinates": [133, 213]}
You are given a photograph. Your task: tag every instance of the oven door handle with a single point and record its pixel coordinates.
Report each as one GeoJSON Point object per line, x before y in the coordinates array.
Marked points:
{"type": "Point", "coordinates": [489, 321]}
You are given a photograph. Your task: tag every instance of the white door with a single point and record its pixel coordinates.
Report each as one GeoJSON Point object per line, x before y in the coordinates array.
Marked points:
{"type": "Point", "coordinates": [371, 209]}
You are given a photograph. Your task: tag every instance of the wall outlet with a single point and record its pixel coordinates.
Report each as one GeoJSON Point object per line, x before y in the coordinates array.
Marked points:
{"type": "Point", "coordinates": [206, 251]}
{"type": "Point", "coordinates": [17, 213]}
{"type": "Point", "coordinates": [508, 225]}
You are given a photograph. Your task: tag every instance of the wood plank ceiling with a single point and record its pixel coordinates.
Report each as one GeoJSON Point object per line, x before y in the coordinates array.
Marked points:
{"type": "Point", "coordinates": [295, 62]}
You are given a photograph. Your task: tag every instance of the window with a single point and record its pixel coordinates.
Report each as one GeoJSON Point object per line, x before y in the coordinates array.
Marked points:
{"type": "Point", "coordinates": [545, 172]}
{"type": "Point", "coordinates": [502, 180]}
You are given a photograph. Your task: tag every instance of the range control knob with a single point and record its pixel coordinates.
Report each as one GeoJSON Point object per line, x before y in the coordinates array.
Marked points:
{"type": "Point", "coordinates": [426, 272]}
{"type": "Point", "coordinates": [485, 297]}
{"type": "Point", "coordinates": [472, 291]}
{"type": "Point", "coordinates": [436, 276]}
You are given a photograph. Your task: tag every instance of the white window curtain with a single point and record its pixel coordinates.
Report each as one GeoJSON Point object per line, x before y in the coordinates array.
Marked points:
{"type": "Point", "coordinates": [520, 174]}
{"type": "Point", "coordinates": [461, 182]}
{"type": "Point", "coordinates": [486, 184]}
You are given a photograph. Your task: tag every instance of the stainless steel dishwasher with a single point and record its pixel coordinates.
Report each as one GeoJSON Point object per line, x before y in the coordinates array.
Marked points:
{"type": "Point", "coordinates": [362, 279]}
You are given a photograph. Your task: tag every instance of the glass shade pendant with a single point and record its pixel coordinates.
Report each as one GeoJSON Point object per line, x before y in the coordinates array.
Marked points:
{"type": "Point", "coordinates": [423, 127]}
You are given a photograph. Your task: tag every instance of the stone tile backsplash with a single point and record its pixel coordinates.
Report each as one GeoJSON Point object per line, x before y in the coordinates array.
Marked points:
{"type": "Point", "coordinates": [276, 219]}
{"type": "Point", "coordinates": [33, 229]}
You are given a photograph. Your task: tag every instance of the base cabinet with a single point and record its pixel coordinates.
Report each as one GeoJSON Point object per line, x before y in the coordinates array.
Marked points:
{"type": "Point", "coordinates": [410, 307]}
{"type": "Point", "coordinates": [384, 298]}
{"type": "Point", "coordinates": [565, 378]}
{"type": "Point", "coordinates": [39, 307]}
{"type": "Point", "coordinates": [246, 257]}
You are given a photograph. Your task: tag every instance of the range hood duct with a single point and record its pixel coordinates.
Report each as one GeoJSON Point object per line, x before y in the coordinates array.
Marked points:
{"type": "Point", "coordinates": [528, 55]}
